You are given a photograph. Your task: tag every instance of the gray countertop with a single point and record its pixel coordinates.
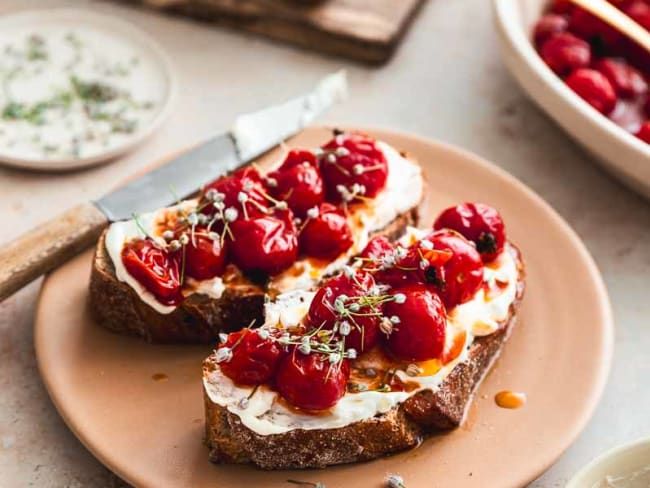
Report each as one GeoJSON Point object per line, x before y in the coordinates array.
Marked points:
{"type": "Point", "coordinates": [446, 82]}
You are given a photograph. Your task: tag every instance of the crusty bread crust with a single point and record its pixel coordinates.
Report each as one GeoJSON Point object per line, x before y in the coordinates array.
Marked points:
{"type": "Point", "coordinates": [199, 318]}
{"type": "Point", "coordinates": [401, 428]}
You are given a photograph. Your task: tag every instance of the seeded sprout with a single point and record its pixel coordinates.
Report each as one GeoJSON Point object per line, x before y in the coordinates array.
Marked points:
{"type": "Point", "coordinates": [307, 483]}
{"type": "Point", "coordinates": [245, 401]}
{"type": "Point", "coordinates": [413, 370]}
{"type": "Point", "coordinates": [389, 260]}
{"type": "Point", "coordinates": [395, 481]}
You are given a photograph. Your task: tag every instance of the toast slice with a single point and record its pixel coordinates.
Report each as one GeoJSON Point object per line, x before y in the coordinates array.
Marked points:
{"type": "Point", "coordinates": [402, 427]}
{"type": "Point", "coordinates": [199, 318]}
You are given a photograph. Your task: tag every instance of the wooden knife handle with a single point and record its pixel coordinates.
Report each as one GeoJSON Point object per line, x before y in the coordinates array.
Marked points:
{"type": "Point", "coordinates": [47, 246]}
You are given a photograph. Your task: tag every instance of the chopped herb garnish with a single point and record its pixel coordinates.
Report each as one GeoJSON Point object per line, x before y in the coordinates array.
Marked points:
{"type": "Point", "coordinates": [93, 91]}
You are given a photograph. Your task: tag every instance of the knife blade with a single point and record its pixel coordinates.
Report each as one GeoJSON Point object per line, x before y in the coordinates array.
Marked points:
{"type": "Point", "coordinates": [49, 245]}
{"type": "Point", "coordinates": [182, 176]}
{"type": "Point", "coordinates": [251, 136]}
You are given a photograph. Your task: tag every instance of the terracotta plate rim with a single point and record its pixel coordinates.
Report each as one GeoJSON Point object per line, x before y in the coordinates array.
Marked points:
{"type": "Point", "coordinates": [605, 312]}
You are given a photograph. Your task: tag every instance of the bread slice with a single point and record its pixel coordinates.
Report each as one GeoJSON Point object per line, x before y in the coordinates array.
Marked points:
{"type": "Point", "coordinates": [402, 427]}
{"type": "Point", "coordinates": [199, 318]}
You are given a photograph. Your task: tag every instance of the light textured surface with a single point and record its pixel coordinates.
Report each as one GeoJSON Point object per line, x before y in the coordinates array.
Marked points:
{"type": "Point", "coordinates": [446, 82]}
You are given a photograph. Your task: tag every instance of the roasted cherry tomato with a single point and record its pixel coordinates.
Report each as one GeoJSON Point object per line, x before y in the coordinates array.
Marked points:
{"type": "Point", "coordinates": [594, 88]}
{"type": "Point", "coordinates": [267, 243]}
{"type": "Point", "coordinates": [565, 52]}
{"type": "Point", "coordinates": [298, 157]}
{"type": "Point", "coordinates": [327, 234]}
{"type": "Point", "coordinates": [627, 81]}
{"type": "Point", "coordinates": [338, 305]}
{"type": "Point", "coordinates": [418, 263]}
{"type": "Point", "coordinates": [377, 248]}
{"type": "Point", "coordinates": [461, 275]}
{"type": "Point", "coordinates": [299, 185]}
{"type": "Point", "coordinates": [250, 357]}
{"type": "Point", "coordinates": [155, 269]}
{"type": "Point", "coordinates": [562, 6]}
{"type": "Point", "coordinates": [311, 381]}
{"type": "Point", "coordinates": [478, 223]}
{"type": "Point", "coordinates": [205, 257]}
{"type": "Point", "coordinates": [243, 188]}
{"type": "Point", "coordinates": [350, 160]}
{"type": "Point", "coordinates": [418, 324]}
{"type": "Point", "coordinates": [548, 25]}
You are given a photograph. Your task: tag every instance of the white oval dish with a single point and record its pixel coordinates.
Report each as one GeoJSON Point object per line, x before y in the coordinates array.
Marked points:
{"type": "Point", "coordinates": [152, 74]}
{"type": "Point", "coordinates": [618, 462]}
{"type": "Point", "coordinates": [620, 152]}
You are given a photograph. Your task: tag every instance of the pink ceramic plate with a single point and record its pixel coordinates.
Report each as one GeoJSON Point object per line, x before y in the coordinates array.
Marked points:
{"type": "Point", "coordinates": [138, 407]}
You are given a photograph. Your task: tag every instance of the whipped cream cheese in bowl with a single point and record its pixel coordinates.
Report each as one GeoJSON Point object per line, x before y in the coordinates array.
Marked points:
{"type": "Point", "coordinates": [79, 88]}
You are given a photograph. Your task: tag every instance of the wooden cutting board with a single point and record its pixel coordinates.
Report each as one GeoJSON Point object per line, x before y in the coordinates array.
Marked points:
{"type": "Point", "coordinates": [364, 30]}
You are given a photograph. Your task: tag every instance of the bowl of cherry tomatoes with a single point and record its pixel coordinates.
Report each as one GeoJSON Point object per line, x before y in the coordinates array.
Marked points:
{"type": "Point", "coordinates": [589, 78]}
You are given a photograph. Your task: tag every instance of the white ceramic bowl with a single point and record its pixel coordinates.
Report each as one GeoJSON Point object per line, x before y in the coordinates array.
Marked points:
{"type": "Point", "coordinates": [620, 461]}
{"type": "Point", "coordinates": [620, 152]}
{"type": "Point", "coordinates": [146, 49]}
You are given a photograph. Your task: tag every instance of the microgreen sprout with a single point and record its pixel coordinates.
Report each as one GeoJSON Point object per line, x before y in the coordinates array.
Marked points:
{"type": "Point", "coordinates": [395, 481]}
{"type": "Point", "coordinates": [224, 354]}
{"type": "Point", "coordinates": [426, 244]}
{"type": "Point", "coordinates": [413, 370]}
{"type": "Point", "coordinates": [231, 214]}
{"type": "Point", "coordinates": [271, 182]}
{"type": "Point", "coordinates": [307, 483]}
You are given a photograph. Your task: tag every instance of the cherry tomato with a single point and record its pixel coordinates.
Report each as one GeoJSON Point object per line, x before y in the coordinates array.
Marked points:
{"type": "Point", "coordinates": [419, 263]}
{"type": "Point", "coordinates": [594, 88]}
{"type": "Point", "coordinates": [562, 6]}
{"type": "Point", "coordinates": [419, 324]}
{"type": "Point", "coordinates": [377, 248]}
{"type": "Point", "coordinates": [246, 181]}
{"type": "Point", "coordinates": [548, 25]}
{"type": "Point", "coordinates": [154, 268]}
{"type": "Point", "coordinates": [326, 235]}
{"type": "Point", "coordinates": [300, 185]}
{"type": "Point", "coordinates": [267, 243]}
{"type": "Point", "coordinates": [460, 277]}
{"type": "Point", "coordinates": [297, 157]}
{"type": "Point", "coordinates": [627, 81]}
{"type": "Point", "coordinates": [370, 259]}
{"type": "Point", "coordinates": [207, 258]}
{"type": "Point", "coordinates": [358, 322]}
{"type": "Point", "coordinates": [353, 159]}
{"type": "Point", "coordinates": [253, 359]}
{"type": "Point", "coordinates": [311, 381]}
{"type": "Point", "coordinates": [565, 52]}
{"type": "Point", "coordinates": [478, 223]}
